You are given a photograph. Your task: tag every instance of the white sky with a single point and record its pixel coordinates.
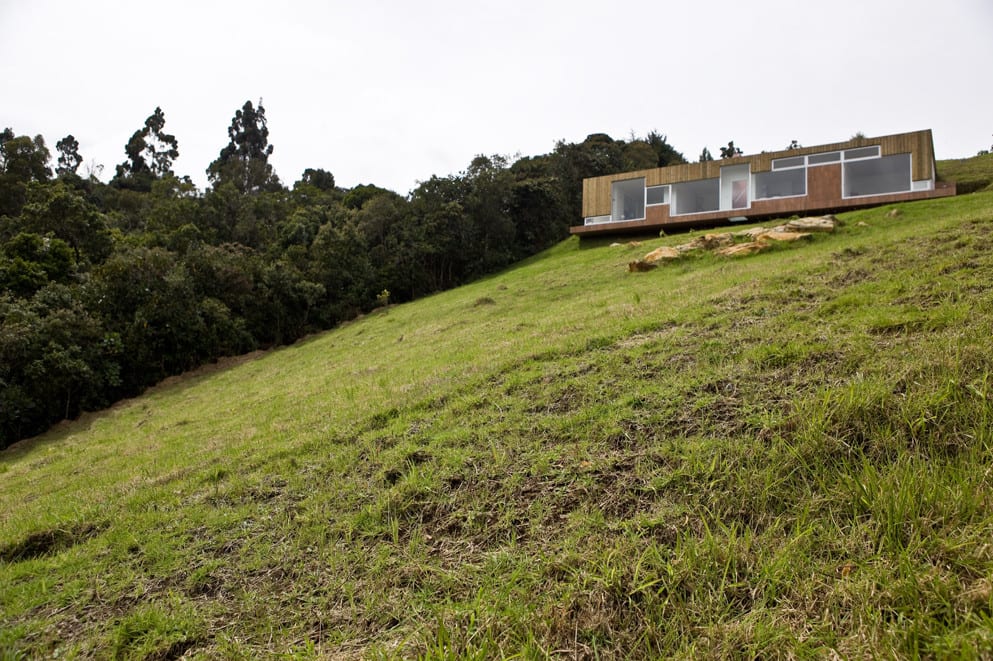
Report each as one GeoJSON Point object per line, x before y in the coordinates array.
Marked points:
{"type": "Point", "coordinates": [392, 92]}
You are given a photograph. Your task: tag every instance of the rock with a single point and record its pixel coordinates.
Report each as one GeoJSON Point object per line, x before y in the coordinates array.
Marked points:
{"type": "Point", "coordinates": [752, 232]}
{"type": "Point", "coordinates": [616, 245]}
{"type": "Point", "coordinates": [761, 238]}
{"type": "Point", "coordinates": [713, 241]}
{"type": "Point", "coordinates": [743, 249]}
{"type": "Point", "coordinates": [812, 224]}
{"type": "Point", "coordinates": [782, 236]}
{"type": "Point", "coordinates": [664, 252]}
{"type": "Point", "coordinates": [861, 224]}
{"type": "Point", "coordinates": [633, 244]}
{"type": "Point", "coordinates": [640, 266]}
{"type": "Point", "coordinates": [708, 242]}
{"type": "Point", "coordinates": [893, 213]}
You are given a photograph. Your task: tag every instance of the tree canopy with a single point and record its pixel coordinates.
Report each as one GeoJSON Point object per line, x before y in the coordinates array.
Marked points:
{"type": "Point", "coordinates": [69, 158]}
{"type": "Point", "coordinates": [151, 152]}
{"type": "Point", "coordinates": [244, 161]}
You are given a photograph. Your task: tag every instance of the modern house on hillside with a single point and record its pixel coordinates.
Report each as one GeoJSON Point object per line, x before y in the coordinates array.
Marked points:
{"type": "Point", "coordinates": [861, 172]}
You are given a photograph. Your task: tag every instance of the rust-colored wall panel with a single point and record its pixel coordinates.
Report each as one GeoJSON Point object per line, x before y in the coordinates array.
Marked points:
{"type": "Point", "coordinates": [824, 184]}
{"type": "Point", "coordinates": [657, 213]}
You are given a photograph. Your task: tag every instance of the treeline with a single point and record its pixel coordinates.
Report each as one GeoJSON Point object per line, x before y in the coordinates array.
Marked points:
{"type": "Point", "coordinates": [106, 289]}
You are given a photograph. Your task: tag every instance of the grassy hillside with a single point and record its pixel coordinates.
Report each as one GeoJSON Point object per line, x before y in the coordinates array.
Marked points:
{"type": "Point", "coordinates": [788, 454]}
{"type": "Point", "coordinates": [969, 174]}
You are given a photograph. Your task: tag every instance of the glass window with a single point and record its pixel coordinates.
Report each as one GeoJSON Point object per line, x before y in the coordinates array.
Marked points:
{"type": "Point", "coordinates": [697, 196]}
{"type": "Point", "coordinates": [861, 152]}
{"type": "Point", "coordinates": [628, 200]}
{"type": "Point", "coordinates": [791, 162]}
{"type": "Point", "coordinates": [787, 183]}
{"type": "Point", "coordinates": [820, 159]}
{"type": "Point", "coordinates": [889, 174]}
{"type": "Point", "coordinates": [657, 195]}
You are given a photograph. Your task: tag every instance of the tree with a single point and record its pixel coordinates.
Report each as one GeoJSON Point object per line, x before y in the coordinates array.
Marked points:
{"type": "Point", "coordinates": [665, 153]}
{"type": "Point", "coordinates": [56, 360]}
{"type": "Point", "coordinates": [150, 154]}
{"type": "Point", "coordinates": [23, 160]}
{"type": "Point", "coordinates": [172, 205]}
{"type": "Point", "coordinates": [705, 155]}
{"type": "Point", "coordinates": [245, 159]}
{"type": "Point", "coordinates": [730, 151]}
{"type": "Point", "coordinates": [29, 261]}
{"type": "Point", "coordinates": [69, 158]}
{"type": "Point", "coordinates": [539, 214]}
{"type": "Point", "coordinates": [345, 265]}
{"type": "Point", "coordinates": [147, 297]}
{"type": "Point", "coordinates": [162, 148]}
{"type": "Point", "coordinates": [486, 185]}
{"type": "Point", "coordinates": [597, 155]}
{"type": "Point", "coordinates": [56, 209]}
{"type": "Point", "coordinates": [358, 196]}
{"type": "Point", "coordinates": [320, 179]}
{"type": "Point", "coordinates": [639, 155]}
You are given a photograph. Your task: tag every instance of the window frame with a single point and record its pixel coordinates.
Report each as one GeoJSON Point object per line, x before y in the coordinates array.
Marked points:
{"type": "Point", "coordinates": [666, 197]}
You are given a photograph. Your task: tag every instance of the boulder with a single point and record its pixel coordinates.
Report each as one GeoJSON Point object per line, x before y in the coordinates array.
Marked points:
{"type": "Point", "coordinates": [743, 249]}
{"type": "Point", "coordinates": [812, 224]}
{"type": "Point", "coordinates": [782, 236]}
{"type": "Point", "coordinates": [752, 232]}
{"type": "Point", "coordinates": [708, 242]}
{"type": "Point", "coordinates": [640, 266]}
{"type": "Point", "coordinates": [659, 254]}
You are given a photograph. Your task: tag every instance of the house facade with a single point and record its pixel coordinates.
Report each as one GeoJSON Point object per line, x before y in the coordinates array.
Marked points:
{"type": "Point", "coordinates": [857, 173]}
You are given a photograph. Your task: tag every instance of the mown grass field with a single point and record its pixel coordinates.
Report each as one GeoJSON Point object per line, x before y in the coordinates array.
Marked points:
{"type": "Point", "coordinates": [789, 454]}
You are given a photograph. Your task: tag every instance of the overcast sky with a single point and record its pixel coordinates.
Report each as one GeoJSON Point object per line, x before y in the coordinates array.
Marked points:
{"type": "Point", "coordinates": [392, 92]}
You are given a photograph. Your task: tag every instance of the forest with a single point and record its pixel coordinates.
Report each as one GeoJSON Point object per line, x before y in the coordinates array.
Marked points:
{"type": "Point", "coordinates": [107, 288]}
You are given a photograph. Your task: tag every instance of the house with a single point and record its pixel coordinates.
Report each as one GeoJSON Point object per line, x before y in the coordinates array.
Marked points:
{"type": "Point", "coordinates": [860, 172]}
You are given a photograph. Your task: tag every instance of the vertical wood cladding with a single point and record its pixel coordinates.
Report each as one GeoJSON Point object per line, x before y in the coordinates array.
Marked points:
{"type": "Point", "coordinates": [824, 185]}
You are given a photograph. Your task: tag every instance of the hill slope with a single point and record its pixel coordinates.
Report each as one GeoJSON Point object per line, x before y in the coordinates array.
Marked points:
{"type": "Point", "coordinates": [785, 454]}
{"type": "Point", "coordinates": [969, 174]}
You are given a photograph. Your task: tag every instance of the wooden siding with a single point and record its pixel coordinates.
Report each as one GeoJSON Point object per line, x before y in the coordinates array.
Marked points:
{"type": "Point", "coordinates": [596, 191]}
{"type": "Point", "coordinates": [823, 184]}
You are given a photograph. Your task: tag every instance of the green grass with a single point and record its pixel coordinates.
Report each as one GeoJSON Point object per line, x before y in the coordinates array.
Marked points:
{"type": "Point", "coordinates": [782, 455]}
{"type": "Point", "coordinates": [969, 174]}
